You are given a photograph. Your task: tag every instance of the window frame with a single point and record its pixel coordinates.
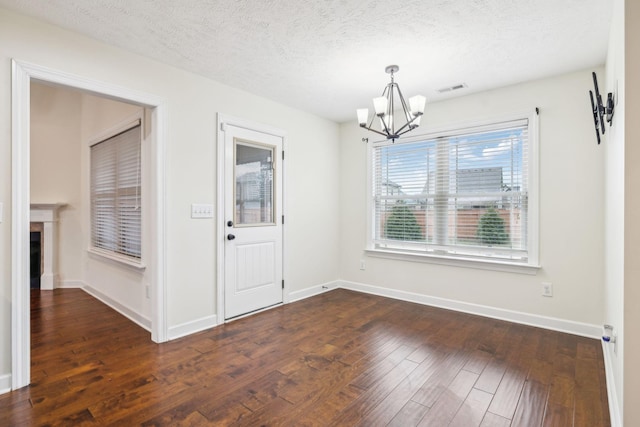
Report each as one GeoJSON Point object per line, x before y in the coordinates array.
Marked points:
{"type": "Point", "coordinates": [531, 266]}
{"type": "Point", "coordinates": [117, 257]}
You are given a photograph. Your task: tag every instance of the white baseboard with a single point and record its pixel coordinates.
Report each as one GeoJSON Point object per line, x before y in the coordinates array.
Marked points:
{"type": "Point", "coordinates": [71, 284]}
{"type": "Point", "coordinates": [120, 308]}
{"type": "Point", "coordinates": [192, 327]}
{"type": "Point", "coordinates": [612, 395]}
{"type": "Point", "coordinates": [312, 291]}
{"type": "Point", "coordinates": [5, 383]}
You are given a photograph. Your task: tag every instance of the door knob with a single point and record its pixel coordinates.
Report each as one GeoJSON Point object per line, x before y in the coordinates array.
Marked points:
{"type": "Point", "coordinates": [230, 237]}
{"type": "Point", "coordinates": [229, 223]}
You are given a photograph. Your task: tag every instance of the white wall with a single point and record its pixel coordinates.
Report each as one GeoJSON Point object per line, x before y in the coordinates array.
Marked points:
{"type": "Point", "coordinates": [614, 146]}
{"type": "Point", "coordinates": [571, 212]}
{"type": "Point", "coordinates": [124, 286]}
{"type": "Point", "coordinates": [622, 175]}
{"type": "Point", "coordinates": [55, 168]}
{"type": "Point", "coordinates": [192, 103]}
{"type": "Point", "coordinates": [631, 396]}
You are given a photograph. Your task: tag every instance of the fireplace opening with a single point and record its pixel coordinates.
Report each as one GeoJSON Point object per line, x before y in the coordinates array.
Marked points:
{"type": "Point", "coordinates": [36, 259]}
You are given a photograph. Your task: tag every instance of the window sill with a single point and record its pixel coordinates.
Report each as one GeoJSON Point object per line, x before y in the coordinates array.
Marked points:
{"type": "Point", "coordinates": [481, 264]}
{"type": "Point", "coordinates": [122, 260]}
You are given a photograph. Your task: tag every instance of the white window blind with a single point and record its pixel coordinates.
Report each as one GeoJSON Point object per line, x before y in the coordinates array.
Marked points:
{"type": "Point", "coordinates": [116, 194]}
{"type": "Point", "coordinates": [462, 193]}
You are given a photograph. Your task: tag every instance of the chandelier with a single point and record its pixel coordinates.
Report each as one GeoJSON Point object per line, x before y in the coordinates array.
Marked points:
{"type": "Point", "coordinates": [385, 106]}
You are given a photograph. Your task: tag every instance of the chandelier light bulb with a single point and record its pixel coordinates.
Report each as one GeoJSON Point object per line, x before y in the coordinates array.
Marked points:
{"type": "Point", "coordinates": [363, 116]}
{"type": "Point", "coordinates": [417, 104]}
{"type": "Point", "coordinates": [380, 105]}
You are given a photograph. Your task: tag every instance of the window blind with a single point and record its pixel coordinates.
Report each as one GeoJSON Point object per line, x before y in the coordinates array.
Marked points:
{"type": "Point", "coordinates": [461, 193]}
{"type": "Point", "coordinates": [116, 212]}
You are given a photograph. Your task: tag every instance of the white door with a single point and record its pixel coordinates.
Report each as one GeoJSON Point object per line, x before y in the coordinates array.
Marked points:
{"type": "Point", "coordinates": [253, 221]}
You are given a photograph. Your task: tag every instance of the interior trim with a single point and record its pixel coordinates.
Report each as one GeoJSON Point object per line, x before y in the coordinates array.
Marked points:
{"type": "Point", "coordinates": [21, 75]}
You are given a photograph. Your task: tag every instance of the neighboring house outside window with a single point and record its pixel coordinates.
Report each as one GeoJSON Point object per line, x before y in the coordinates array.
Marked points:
{"type": "Point", "coordinates": [468, 193]}
{"type": "Point", "coordinates": [116, 195]}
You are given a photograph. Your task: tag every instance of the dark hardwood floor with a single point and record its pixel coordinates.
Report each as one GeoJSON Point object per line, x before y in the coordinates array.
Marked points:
{"type": "Point", "coordinates": [337, 359]}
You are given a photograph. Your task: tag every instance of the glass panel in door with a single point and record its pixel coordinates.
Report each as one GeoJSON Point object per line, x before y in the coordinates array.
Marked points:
{"type": "Point", "coordinates": [253, 175]}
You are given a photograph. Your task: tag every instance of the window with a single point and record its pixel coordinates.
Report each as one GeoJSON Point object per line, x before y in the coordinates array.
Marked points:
{"type": "Point", "coordinates": [254, 184]}
{"type": "Point", "coordinates": [457, 194]}
{"type": "Point", "coordinates": [116, 195]}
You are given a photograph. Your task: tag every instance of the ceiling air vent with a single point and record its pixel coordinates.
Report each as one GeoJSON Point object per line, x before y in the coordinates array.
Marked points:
{"type": "Point", "coordinates": [452, 88]}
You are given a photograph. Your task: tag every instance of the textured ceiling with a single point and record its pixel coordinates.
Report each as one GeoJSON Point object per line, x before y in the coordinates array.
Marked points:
{"type": "Point", "coordinates": [328, 56]}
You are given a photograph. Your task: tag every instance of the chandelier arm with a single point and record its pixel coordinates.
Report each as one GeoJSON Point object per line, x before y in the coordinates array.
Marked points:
{"type": "Point", "coordinates": [402, 133]}
{"type": "Point", "coordinates": [391, 106]}
{"type": "Point", "coordinates": [407, 112]}
{"type": "Point", "coordinates": [386, 135]}
{"type": "Point", "coordinates": [386, 129]}
{"type": "Point", "coordinates": [408, 124]}
{"type": "Point", "coordinates": [388, 93]}
{"type": "Point", "coordinates": [386, 90]}
{"type": "Point", "coordinates": [370, 122]}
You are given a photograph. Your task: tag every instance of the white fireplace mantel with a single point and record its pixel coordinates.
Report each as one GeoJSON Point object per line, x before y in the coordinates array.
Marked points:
{"type": "Point", "coordinates": [47, 214]}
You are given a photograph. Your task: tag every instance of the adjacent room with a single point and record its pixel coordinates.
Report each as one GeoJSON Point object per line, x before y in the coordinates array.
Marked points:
{"type": "Point", "coordinates": [319, 213]}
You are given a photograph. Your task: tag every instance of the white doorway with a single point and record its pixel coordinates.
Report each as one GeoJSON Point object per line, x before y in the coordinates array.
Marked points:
{"type": "Point", "coordinates": [22, 76]}
{"type": "Point", "coordinates": [251, 236]}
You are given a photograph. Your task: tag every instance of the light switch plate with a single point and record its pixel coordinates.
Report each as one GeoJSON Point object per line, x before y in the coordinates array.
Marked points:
{"type": "Point", "coordinates": [201, 210]}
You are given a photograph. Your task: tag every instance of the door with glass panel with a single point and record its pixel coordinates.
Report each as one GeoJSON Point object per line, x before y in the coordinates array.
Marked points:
{"type": "Point", "coordinates": [253, 221]}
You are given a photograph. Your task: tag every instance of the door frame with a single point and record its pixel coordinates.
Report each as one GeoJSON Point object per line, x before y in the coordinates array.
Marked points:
{"type": "Point", "coordinates": [22, 73]}
{"type": "Point", "coordinates": [222, 121]}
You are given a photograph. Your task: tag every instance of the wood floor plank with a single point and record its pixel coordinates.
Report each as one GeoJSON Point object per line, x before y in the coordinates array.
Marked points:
{"type": "Point", "coordinates": [436, 384]}
{"type": "Point", "coordinates": [410, 415]}
{"type": "Point", "coordinates": [472, 410]}
{"type": "Point", "coordinates": [236, 406]}
{"type": "Point", "coordinates": [478, 360]}
{"type": "Point", "coordinates": [271, 414]}
{"type": "Point", "coordinates": [493, 420]}
{"type": "Point", "coordinates": [369, 399]}
{"type": "Point", "coordinates": [583, 370]}
{"type": "Point", "coordinates": [558, 416]}
{"type": "Point", "coordinates": [510, 349]}
{"type": "Point", "coordinates": [586, 413]}
{"type": "Point", "coordinates": [562, 391]}
{"type": "Point", "coordinates": [326, 409]}
{"type": "Point", "coordinates": [508, 393]}
{"type": "Point", "coordinates": [590, 349]}
{"type": "Point", "coordinates": [423, 352]}
{"type": "Point", "coordinates": [540, 371]}
{"type": "Point", "coordinates": [491, 376]}
{"type": "Point", "coordinates": [340, 358]}
{"type": "Point", "coordinates": [446, 407]}
{"type": "Point", "coordinates": [564, 366]}
{"type": "Point", "coordinates": [493, 337]}
{"type": "Point", "coordinates": [547, 346]}
{"type": "Point", "coordinates": [396, 400]}
{"type": "Point", "coordinates": [193, 419]}
{"type": "Point", "coordinates": [530, 409]}
{"type": "Point", "coordinates": [373, 375]}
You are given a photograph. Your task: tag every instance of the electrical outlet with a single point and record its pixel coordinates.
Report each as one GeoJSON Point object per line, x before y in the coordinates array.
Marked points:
{"type": "Point", "coordinates": [547, 289]}
{"type": "Point", "coordinates": [362, 266]}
